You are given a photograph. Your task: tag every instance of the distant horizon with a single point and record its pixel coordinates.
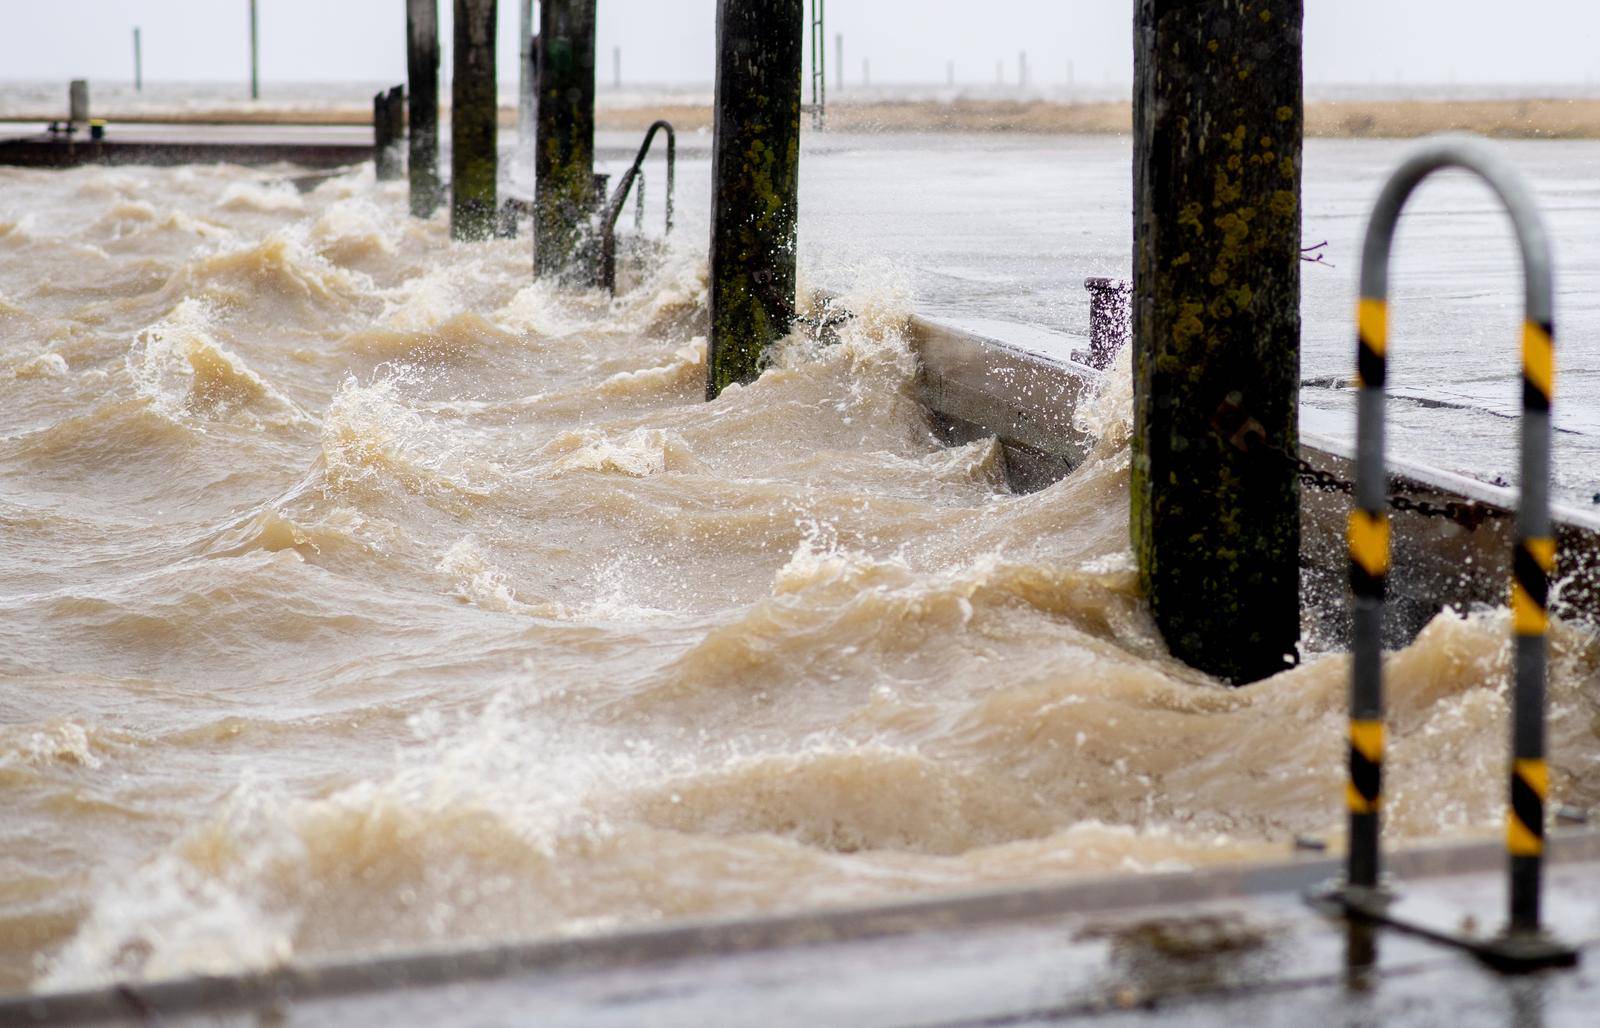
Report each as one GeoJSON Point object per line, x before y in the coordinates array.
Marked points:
{"type": "Point", "coordinates": [690, 85]}
{"type": "Point", "coordinates": [1426, 43]}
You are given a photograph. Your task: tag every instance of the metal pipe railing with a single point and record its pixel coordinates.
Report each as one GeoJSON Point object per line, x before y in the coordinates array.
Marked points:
{"type": "Point", "coordinates": [1533, 554]}
{"type": "Point", "coordinates": [608, 219]}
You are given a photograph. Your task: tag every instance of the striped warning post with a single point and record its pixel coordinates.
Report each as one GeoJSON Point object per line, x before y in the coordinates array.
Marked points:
{"type": "Point", "coordinates": [1368, 537]}
{"type": "Point", "coordinates": [1533, 556]}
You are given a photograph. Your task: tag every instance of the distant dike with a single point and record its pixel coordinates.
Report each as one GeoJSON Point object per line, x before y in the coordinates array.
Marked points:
{"type": "Point", "coordinates": [1338, 119]}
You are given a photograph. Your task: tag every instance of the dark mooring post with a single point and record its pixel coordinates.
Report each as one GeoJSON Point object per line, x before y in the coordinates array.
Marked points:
{"type": "Point", "coordinates": [78, 102]}
{"type": "Point", "coordinates": [1218, 122]}
{"type": "Point", "coordinates": [564, 187]}
{"type": "Point", "coordinates": [474, 163]}
{"type": "Point", "coordinates": [755, 184]}
{"type": "Point", "coordinates": [388, 133]}
{"type": "Point", "coordinates": [527, 90]}
{"type": "Point", "coordinates": [422, 77]}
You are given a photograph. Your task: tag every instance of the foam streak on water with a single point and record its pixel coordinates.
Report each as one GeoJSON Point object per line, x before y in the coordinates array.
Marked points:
{"type": "Point", "coordinates": [357, 593]}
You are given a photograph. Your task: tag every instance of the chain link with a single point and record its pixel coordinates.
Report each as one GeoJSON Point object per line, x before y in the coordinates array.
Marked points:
{"type": "Point", "coordinates": [1467, 513]}
{"type": "Point", "coordinates": [1245, 433]}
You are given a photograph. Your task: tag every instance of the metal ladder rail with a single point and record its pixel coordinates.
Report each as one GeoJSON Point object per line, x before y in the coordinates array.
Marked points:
{"type": "Point", "coordinates": [1523, 944]}
{"type": "Point", "coordinates": [608, 219]}
{"type": "Point", "coordinates": [819, 62]}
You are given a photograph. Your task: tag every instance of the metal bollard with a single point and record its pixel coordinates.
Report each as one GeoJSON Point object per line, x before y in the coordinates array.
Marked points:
{"type": "Point", "coordinates": [1110, 320]}
{"type": "Point", "coordinates": [1533, 557]}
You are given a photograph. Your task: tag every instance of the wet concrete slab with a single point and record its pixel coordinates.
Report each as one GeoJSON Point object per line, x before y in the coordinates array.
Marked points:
{"type": "Point", "coordinates": [152, 144]}
{"type": "Point", "coordinates": [28, 144]}
{"type": "Point", "coordinates": [1230, 945]}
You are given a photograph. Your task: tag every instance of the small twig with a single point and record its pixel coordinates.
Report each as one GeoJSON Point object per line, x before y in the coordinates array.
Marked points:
{"type": "Point", "coordinates": [1319, 258]}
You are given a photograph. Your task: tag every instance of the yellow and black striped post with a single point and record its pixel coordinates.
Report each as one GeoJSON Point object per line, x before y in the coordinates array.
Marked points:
{"type": "Point", "coordinates": [1532, 563]}
{"type": "Point", "coordinates": [1532, 560]}
{"type": "Point", "coordinates": [1368, 533]}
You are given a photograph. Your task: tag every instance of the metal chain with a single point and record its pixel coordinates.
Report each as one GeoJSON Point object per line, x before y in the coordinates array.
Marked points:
{"type": "Point", "coordinates": [1467, 513]}
{"type": "Point", "coordinates": [1233, 423]}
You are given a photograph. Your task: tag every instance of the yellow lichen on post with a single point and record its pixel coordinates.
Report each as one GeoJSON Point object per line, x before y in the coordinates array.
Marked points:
{"type": "Point", "coordinates": [474, 163]}
{"type": "Point", "coordinates": [755, 185]}
{"type": "Point", "coordinates": [1215, 498]}
{"type": "Point", "coordinates": [564, 155]}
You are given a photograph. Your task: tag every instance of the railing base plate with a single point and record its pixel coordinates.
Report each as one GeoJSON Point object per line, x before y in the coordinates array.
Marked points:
{"type": "Point", "coordinates": [1508, 952]}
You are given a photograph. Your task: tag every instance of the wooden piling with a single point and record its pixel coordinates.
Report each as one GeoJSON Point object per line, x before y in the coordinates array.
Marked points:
{"type": "Point", "coordinates": [1215, 512]}
{"type": "Point", "coordinates": [527, 90]}
{"type": "Point", "coordinates": [388, 133]}
{"type": "Point", "coordinates": [78, 102]}
{"type": "Point", "coordinates": [422, 79]}
{"type": "Point", "coordinates": [564, 190]}
{"type": "Point", "coordinates": [474, 162]}
{"type": "Point", "coordinates": [755, 177]}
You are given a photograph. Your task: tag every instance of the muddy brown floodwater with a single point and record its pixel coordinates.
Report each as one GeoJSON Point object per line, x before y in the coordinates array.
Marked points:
{"type": "Point", "coordinates": [357, 593]}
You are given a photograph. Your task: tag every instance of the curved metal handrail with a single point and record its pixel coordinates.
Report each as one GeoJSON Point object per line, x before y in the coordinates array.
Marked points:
{"type": "Point", "coordinates": [608, 218]}
{"type": "Point", "coordinates": [1533, 555]}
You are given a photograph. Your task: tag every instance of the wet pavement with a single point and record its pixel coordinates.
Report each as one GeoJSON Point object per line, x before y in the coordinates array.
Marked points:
{"type": "Point", "coordinates": [996, 234]}
{"type": "Point", "coordinates": [1237, 945]}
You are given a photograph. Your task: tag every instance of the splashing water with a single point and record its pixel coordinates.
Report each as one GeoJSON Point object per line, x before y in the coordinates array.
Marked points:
{"type": "Point", "coordinates": [359, 594]}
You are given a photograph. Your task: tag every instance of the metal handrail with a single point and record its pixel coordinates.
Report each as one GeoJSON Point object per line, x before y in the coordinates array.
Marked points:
{"type": "Point", "coordinates": [608, 218]}
{"type": "Point", "coordinates": [1533, 554]}
{"type": "Point", "coordinates": [819, 64]}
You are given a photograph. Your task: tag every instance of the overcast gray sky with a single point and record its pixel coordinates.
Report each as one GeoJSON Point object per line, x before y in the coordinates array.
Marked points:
{"type": "Point", "coordinates": [1347, 41]}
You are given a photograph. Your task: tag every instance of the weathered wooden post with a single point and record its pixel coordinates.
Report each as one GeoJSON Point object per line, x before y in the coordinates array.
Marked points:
{"type": "Point", "coordinates": [138, 62]}
{"type": "Point", "coordinates": [1218, 122]}
{"type": "Point", "coordinates": [616, 67]}
{"type": "Point", "coordinates": [422, 77]}
{"type": "Point", "coordinates": [527, 90]}
{"type": "Point", "coordinates": [388, 133]}
{"type": "Point", "coordinates": [838, 54]}
{"type": "Point", "coordinates": [255, 56]}
{"type": "Point", "coordinates": [755, 176]}
{"type": "Point", "coordinates": [564, 192]}
{"type": "Point", "coordinates": [78, 102]}
{"type": "Point", "coordinates": [474, 162]}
